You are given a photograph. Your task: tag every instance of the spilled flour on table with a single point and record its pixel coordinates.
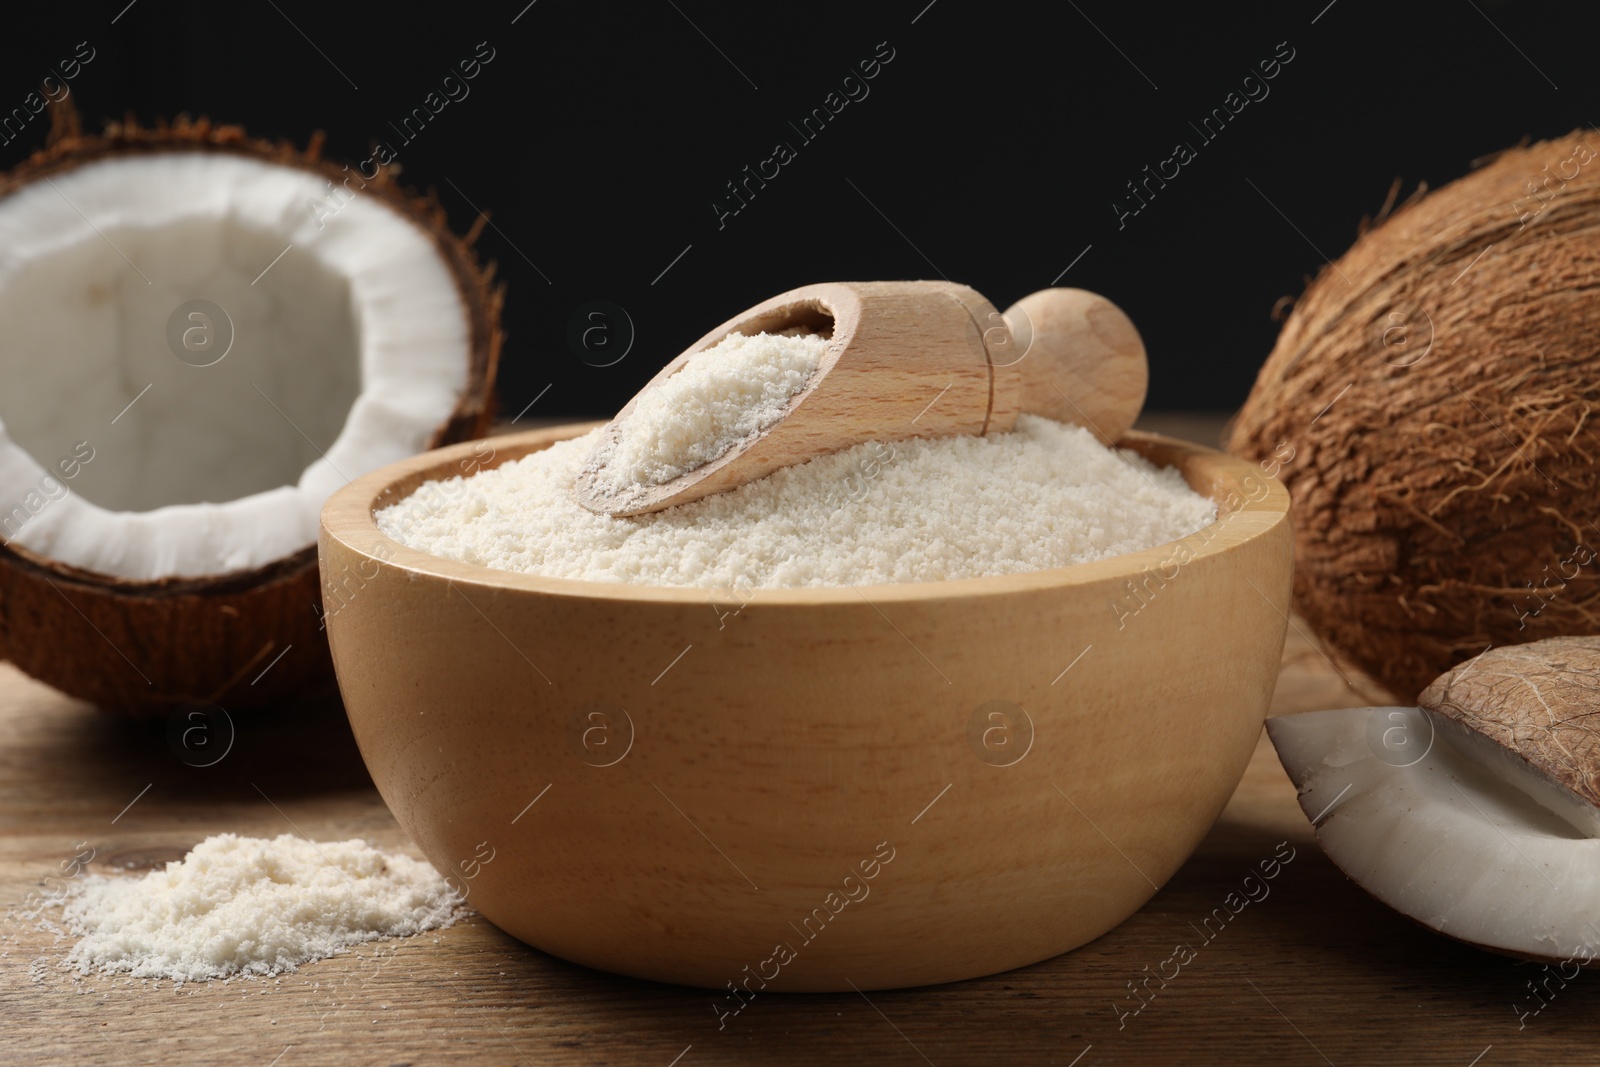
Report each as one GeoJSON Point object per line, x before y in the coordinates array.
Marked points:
{"type": "Point", "coordinates": [251, 906]}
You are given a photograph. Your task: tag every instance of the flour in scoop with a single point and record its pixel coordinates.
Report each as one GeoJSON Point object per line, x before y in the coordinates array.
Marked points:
{"type": "Point", "coordinates": [722, 396]}
{"type": "Point", "coordinates": [920, 510]}
{"type": "Point", "coordinates": [252, 906]}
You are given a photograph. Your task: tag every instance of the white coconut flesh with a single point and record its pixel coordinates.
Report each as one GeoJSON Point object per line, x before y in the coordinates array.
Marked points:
{"type": "Point", "coordinates": [350, 346]}
{"type": "Point", "coordinates": [1462, 840]}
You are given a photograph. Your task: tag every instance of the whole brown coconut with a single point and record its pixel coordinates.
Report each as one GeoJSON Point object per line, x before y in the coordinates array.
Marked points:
{"type": "Point", "coordinates": [143, 644]}
{"type": "Point", "coordinates": [1431, 406]}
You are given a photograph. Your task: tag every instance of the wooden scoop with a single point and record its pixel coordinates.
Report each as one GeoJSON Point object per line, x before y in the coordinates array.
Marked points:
{"type": "Point", "coordinates": [908, 359]}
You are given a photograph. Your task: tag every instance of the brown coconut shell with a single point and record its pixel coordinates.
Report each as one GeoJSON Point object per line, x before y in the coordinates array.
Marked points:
{"type": "Point", "coordinates": [1433, 406]}
{"type": "Point", "coordinates": [143, 647]}
{"type": "Point", "coordinates": [1535, 702]}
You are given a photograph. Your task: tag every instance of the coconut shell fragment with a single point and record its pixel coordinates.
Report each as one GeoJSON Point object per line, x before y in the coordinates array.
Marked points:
{"type": "Point", "coordinates": [1474, 814]}
{"type": "Point", "coordinates": [247, 635]}
{"type": "Point", "coordinates": [1431, 406]}
{"type": "Point", "coordinates": [1538, 702]}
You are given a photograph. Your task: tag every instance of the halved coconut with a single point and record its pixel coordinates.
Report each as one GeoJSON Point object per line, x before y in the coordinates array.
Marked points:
{"type": "Point", "coordinates": [1476, 813]}
{"type": "Point", "coordinates": [202, 336]}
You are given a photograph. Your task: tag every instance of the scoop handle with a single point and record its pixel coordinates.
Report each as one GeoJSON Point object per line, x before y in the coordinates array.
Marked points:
{"type": "Point", "coordinates": [1072, 356]}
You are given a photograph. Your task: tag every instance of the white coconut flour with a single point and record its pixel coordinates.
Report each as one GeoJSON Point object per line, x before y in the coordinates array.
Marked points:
{"type": "Point", "coordinates": [735, 389]}
{"type": "Point", "coordinates": [919, 510]}
{"type": "Point", "coordinates": [252, 906]}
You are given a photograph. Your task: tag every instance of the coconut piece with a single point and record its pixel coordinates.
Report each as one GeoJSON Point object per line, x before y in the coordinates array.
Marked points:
{"type": "Point", "coordinates": [158, 499]}
{"type": "Point", "coordinates": [1475, 814]}
{"type": "Point", "coordinates": [1430, 405]}
{"type": "Point", "coordinates": [1446, 841]}
{"type": "Point", "coordinates": [1531, 706]}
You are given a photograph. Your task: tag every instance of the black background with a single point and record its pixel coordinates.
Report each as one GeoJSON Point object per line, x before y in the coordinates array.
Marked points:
{"type": "Point", "coordinates": [990, 150]}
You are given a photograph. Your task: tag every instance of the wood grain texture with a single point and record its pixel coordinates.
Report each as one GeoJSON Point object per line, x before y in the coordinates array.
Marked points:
{"type": "Point", "coordinates": [1354, 983]}
{"type": "Point", "coordinates": [1079, 359]}
{"type": "Point", "coordinates": [781, 743]}
{"type": "Point", "coordinates": [909, 359]}
{"type": "Point", "coordinates": [904, 359]}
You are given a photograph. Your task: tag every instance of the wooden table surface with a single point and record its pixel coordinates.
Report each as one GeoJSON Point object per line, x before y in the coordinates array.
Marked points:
{"type": "Point", "coordinates": [1315, 972]}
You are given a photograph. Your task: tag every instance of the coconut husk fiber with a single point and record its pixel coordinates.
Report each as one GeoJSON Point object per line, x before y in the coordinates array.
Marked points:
{"type": "Point", "coordinates": [1430, 405]}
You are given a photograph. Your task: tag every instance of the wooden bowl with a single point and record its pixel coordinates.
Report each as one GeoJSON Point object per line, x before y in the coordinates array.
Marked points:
{"type": "Point", "coordinates": [812, 789]}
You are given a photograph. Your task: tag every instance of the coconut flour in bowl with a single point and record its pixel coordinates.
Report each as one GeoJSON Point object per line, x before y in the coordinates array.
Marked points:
{"type": "Point", "coordinates": [919, 510]}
